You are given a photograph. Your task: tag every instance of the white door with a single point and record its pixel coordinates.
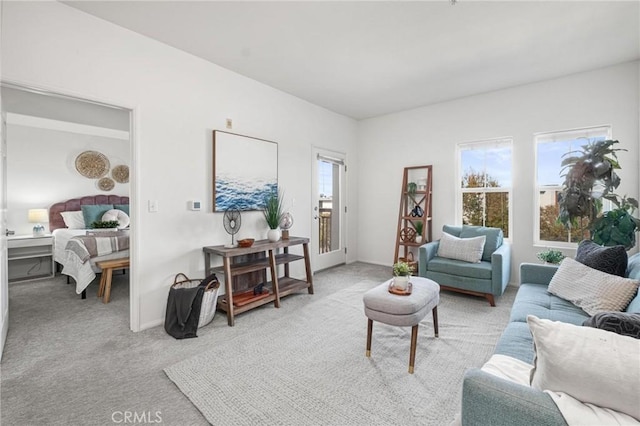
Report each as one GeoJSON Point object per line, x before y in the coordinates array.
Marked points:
{"type": "Point", "coordinates": [4, 283]}
{"type": "Point", "coordinates": [328, 209]}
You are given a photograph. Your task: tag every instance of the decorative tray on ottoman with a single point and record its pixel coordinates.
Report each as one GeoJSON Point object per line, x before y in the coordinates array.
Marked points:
{"type": "Point", "coordinates": [399, 292]}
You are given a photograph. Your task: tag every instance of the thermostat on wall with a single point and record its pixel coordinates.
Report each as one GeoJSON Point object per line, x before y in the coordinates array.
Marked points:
{"type": "Point", "coordinates": [194, 205]}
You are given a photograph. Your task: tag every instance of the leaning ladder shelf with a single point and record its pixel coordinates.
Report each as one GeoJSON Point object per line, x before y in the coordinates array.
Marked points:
{"type": "Point", "coordinates": [415, 211]}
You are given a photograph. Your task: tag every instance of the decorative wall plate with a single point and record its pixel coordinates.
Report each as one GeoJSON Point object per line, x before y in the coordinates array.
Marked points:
{"type": "Point", "coordinates": [120, 173]}
{"type": "Point", "coordinates": [92, 164]}
{"type": "Point", "coordinates": [106, 184]}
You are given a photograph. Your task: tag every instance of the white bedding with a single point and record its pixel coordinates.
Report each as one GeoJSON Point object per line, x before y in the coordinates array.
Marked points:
{"type": "Point", "coordinates": [82, 273]}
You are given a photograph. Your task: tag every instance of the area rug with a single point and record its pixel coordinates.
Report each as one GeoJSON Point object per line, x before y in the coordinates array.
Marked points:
{"type": "Point", "coordinates": [309, 367]}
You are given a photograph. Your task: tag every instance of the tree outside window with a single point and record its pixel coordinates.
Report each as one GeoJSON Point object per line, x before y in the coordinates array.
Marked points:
{"type": "Point", "coordinates": [486, 183]}
{"type": "Point", "coordinates": [550, 151]}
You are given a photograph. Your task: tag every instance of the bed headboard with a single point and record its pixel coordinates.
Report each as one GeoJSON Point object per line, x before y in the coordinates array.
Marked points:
{"type": "Point", "coordinates": [55, 218]}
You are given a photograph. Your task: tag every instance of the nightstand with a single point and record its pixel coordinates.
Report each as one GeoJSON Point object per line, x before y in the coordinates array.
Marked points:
{"type": "Point", "coordinates": [30, 258]}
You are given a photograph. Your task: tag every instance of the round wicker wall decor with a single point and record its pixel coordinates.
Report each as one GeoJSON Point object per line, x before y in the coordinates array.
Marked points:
{"type": "Point", "coordinates": [92, 164]}
{"type": "Point", "coordinates": [106, 184]}
{"type": "Point", "coordinates": [120, 173]}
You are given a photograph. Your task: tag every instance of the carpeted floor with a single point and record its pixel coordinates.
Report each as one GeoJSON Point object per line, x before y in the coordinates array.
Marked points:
{"type": "Point", "coordinates": [74, 362]}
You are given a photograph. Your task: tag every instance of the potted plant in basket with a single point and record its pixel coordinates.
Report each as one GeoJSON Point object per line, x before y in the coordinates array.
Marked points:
{"type": "Point", "coordinates": [551, 256]}
{"type": "Point", "coordinates": [272, 212]}
{"type": "Point", "coordinates": [591, 178]}
{"type": "Point", "coordinates": [401, 273]}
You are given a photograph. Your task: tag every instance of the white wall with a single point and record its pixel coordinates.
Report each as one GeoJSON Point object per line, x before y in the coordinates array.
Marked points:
{"type": "Point", "coordinates": [41, 169]}
{"type": "Point", "coordinates": [429, 135]}
{"type": "Point", "coordinates": [178, 100]}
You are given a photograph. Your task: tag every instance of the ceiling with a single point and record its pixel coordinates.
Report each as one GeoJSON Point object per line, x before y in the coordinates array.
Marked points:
{"type": "Point", "coordinates": [365, 59]}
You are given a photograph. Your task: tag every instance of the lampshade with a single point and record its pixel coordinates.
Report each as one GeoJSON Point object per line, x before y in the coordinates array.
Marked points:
{"type": "Point", "coordinates": [38, 216]}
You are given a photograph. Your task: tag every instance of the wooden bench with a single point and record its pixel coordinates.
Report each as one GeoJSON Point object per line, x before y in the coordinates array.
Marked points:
{"type": "Point", "coordinates": [107, 267]}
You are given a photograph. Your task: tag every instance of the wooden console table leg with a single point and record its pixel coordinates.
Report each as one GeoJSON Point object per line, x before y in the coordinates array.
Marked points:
{"type": "Point", "coordinates": [274, 278]}
{"type": "Point", "coordinates": [307, 266]}
{"type": "Point", "coordinates": [286, 265]}
{"type": "Point", "coordinates": [228, 289]}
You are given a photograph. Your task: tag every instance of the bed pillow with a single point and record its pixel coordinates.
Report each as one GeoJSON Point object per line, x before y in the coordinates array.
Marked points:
{"type": "Point", "coordinates": [612, 260]}
{"type": "Point", "coordinates": [592, 290]}
{"type": "Point", "coordinates": [123, 207]}
{"type": "Point", "coordinates": [622, 323]}
{"type": "Point", "coordinates": [117, 215]}
{"type": "Point", "coordinates": [592, 365]}
{"type": "Point", "coordinates": [73, 220]}
{"type": "Point", "coordinates": [93, 213]}
{"type": "Point", "coordinates": [466, 249]}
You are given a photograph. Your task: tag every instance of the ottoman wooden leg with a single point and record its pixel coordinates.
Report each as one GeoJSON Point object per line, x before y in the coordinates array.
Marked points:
{"type": "Point", "coordinates": [369, 331]}
{"type": "Point", "coordinates": [414, 343]}
{"type": "Point", "coordinates": [435, 320]}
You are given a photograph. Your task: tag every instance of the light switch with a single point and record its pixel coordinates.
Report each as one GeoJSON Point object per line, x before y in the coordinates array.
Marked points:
{"type": "Point", "coordinates": [153, 206]}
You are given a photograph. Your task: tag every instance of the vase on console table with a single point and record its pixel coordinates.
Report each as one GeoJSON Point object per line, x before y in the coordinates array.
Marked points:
{"type": "Point", "coordinates": [273, 235]}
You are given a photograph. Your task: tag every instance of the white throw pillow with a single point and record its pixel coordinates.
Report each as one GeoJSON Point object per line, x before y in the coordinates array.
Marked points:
{"type": "Point", "coordinates": [73, 220]}
{"type": "Point", "coordinates": [592, 290]}
{"type": "Point", "coordinates": [593, 366]}
{"type": "Point", "coordinates": [467, 249]}
{"type": "Point", "coordinates": [119, 215]}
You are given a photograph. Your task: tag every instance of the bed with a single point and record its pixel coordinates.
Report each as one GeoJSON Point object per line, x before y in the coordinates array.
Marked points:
{"type": "Point", "coordinates": [82, 272]}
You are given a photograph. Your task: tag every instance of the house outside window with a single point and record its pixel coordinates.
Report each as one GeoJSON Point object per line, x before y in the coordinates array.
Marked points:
{"type": "Point", "coordinates": [485, 183]}
{"type": "Point", "coordinates": [550, 149]}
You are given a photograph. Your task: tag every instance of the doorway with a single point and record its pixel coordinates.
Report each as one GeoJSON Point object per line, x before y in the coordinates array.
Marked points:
{"type": "Point", "coordinates": [38, 111]}
{"type": "Point", "coordinates": [328, 208]}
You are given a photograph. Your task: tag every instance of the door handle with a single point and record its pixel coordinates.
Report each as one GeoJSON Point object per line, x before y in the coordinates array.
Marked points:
{"type": "Point", "coordinates": [8, 232]}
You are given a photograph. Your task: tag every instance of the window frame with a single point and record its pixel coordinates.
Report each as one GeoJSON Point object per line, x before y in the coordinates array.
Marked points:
{"type": "Point", "coordinates": [556, 134]}
{"type": "Point", "coordinates": [506, 141]}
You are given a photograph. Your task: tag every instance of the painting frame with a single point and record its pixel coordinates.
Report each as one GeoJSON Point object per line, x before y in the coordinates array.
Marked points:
{"type": "Point", "coordinates": [245, 170]}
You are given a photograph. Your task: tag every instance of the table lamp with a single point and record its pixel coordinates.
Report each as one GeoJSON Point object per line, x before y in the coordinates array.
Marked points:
{"type": "Point", "coordinates": [38, 216]}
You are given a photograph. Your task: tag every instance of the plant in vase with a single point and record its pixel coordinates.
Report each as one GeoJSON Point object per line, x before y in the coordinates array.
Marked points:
{"type": "Point", "coordinates": [272, 212]}
{"type": "Point", "coordinates": [551, 256]}
{"type": "Point", "coordinates": [591, 178]}
{"type": "Point", "coordinates": [419, 226]}
{"type": "Point", "coordinates": [401, 272]}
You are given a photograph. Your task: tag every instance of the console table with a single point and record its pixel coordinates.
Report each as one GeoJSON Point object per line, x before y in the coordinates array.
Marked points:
{"type": "Point", "coordinates": [271, 258]}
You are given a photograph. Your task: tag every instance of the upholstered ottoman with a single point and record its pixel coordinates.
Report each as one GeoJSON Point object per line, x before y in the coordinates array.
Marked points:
{"type": "Point", "coordinates": [402, 310]}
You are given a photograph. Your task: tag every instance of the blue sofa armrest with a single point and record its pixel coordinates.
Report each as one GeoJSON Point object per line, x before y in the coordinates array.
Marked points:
{"type": "Point", "coordinates": [427, 252]}
{"type": "Point", "coordinates": [490, 400]}
{"type": "Point", "coordinates": [533, 273]}
{"type": "Point", "coordinates": [500, 269]}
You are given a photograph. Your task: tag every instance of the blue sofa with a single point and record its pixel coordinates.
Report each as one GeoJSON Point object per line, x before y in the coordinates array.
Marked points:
{"type": "Point", "coordinates": [488, 278]}
{"type": "Point", "coordinates": [489, 400]}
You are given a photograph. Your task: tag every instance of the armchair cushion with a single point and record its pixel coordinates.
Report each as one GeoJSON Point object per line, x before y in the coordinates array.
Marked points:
{"type": "Point", "coordinates": [480, 270]}
{"type": "Point", "coordinates": [493, 238]}
{"type": "Point", "coordinates": [466, 249]}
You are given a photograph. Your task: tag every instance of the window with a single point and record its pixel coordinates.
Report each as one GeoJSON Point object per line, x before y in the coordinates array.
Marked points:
{"type": "Point", "coordinates": [485, 183]}
{"type": "Point", "coordinates": [550, 149]}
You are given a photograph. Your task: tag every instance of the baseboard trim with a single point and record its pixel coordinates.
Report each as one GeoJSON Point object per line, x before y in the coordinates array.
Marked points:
{"type": "Point", "coordinates": [5, 331]}
{"type": "Point", "coordinates": [151, 324]}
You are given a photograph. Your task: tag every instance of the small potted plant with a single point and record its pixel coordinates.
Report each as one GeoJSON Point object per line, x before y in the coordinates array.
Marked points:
{"type": "Point", "coordinates": [551, 256]}
{"type": "Point", "coordinates": [272, 212]}
{"type": "Point", "coordinates": [401, 272]}
{"type": "Point", "coordinates": [419, 226]}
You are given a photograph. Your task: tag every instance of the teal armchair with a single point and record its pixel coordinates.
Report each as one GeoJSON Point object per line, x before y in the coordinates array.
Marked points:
{"type": "Point", "coordinates": [488, 279]}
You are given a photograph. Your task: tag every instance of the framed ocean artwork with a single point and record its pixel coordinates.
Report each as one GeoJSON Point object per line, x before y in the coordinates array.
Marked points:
{"type": "Point", "coordinates": [245, 170]}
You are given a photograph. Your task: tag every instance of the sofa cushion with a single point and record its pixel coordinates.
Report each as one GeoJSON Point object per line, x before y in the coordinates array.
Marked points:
{"type": "Point", "coordinates": [617, 322]}
{"type": "Point", "coordinates": [443, 265]}
{"type": "Point", "coordinates": [466, 249]}
{"type": "Point", "coordinates": [612, 260]}
{"type": "Point", "coordinates": [494, 238]}
{"type": "Point", "coordinates": [592, 290]}
{"type": "Point", "coordinates": [534, 299]}
{"type": "Point", "coordinates": [578, 361]}
{"type": "Point", "coordinates": [516, 342]}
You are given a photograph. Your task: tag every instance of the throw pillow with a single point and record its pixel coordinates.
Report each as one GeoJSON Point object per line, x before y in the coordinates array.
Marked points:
{"type": "Point", "coordinates": [617, 322]}
{"type": "Point", "coordinates": [93, 213]}
{"type": "Point", "coordinates": [73, 220]}
{"type": "Point", "coordinates": [466, 249]}
{"type": "Point", "coordinates": [123, 207]}
{"type": "Point", "coordinates": [494, 238]}
{"type": "Point", "coordinates": [592, 365]}
{"type": "Point", "coordinates": [612, 260]}
{"type": "Point", "coordinates": [592, 290]}
{"type": "Point", "coordinates": [118, 215]}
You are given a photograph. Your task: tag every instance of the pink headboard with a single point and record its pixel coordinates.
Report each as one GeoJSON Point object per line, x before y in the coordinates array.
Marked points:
{"type": "Point", "coordinates": [55, 218]}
